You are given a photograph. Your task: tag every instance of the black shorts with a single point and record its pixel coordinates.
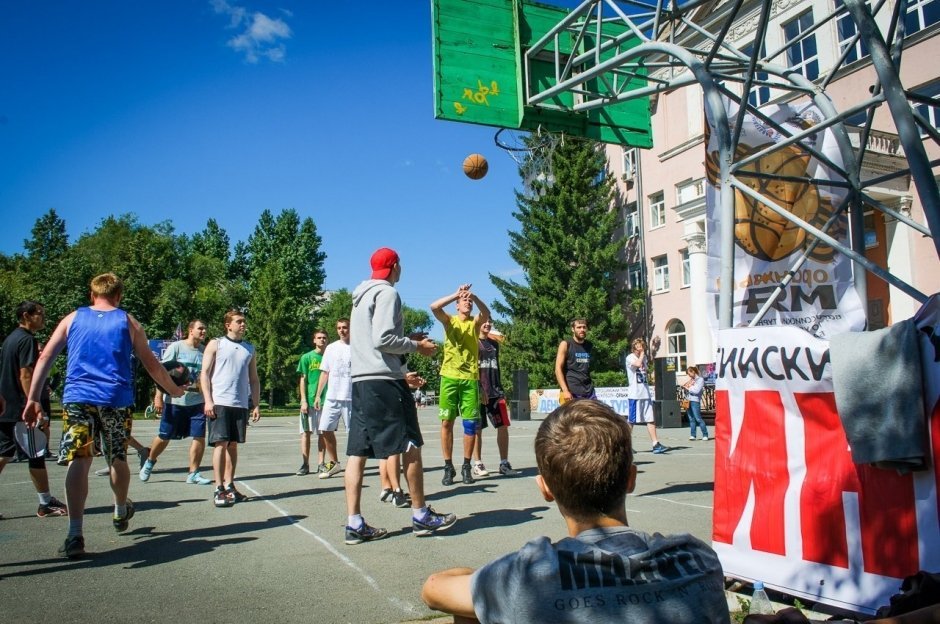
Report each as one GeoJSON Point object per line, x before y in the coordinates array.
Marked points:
{"type": "Point", "coordinates": [384, 419]}
{"type": "Point", "coordinates": [494, 411]}
{"type": "Point", "coordinates": [8, 443]}
{"type": "Point", "coordinates": [229, 424]}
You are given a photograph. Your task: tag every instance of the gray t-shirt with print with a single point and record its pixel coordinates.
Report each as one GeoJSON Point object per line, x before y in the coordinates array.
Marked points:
{"type": "Point", "coordinates": [611, 574]}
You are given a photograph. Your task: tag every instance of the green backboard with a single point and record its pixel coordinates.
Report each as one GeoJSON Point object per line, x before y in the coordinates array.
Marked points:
{"type": "Point", "coordinates": [479, 50]}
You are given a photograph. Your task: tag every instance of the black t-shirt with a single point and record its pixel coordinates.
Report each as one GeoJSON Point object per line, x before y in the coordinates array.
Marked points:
{"type": "Point", "coordinates": [20, 350]}
{"type": "Point", "coordinates": [578, 368]}
{"type": "Point", "coordinates": [490, 383]}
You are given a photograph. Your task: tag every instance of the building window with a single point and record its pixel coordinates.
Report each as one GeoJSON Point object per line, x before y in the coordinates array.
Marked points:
{"type": "Point", "coordinates": [635, 276]}
{"type": "Point", "coordinates": [847, 29]}
{"type": "Point", "coordinates": [657, 210]}
{"type": "Point", "coordinates": [759, 95]}
{"type": "Point", "coordinates": [690, 191]}
{"type": "Point", "coordinates": [629, 163]}
{"type": "Point", "coordinates": [660, 274]}
{"type": "Point", "coordinates": [631, 220]}
{"type": "Point", "coordinates": [802, 55]}
{"type": "Point", "coordinates": [921, 14]}
{"type": "Point", "coordinates": [686, 268]}
{"type": "Point", "coordinates": [929, 112]}
{"type": "Point", "coordinates": [675, 344]}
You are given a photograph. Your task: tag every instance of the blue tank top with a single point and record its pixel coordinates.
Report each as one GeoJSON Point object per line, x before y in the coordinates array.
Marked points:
{"type": "Point", "coordinates": [99, 359]}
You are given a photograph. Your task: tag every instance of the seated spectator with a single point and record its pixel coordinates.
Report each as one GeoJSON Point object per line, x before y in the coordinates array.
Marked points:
{"type": "Point", "coordinates": [605, 571]}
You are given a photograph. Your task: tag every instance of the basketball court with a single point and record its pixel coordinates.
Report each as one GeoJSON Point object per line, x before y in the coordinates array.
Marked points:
{"type": "Point", "coordinates": [281, 556]}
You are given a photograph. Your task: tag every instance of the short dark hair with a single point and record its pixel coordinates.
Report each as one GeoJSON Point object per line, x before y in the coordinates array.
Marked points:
{"type": "Point", "coordinates": [27, 308]}
{"type": "Point", "coordinates": [579, 319]}
{"type": "Point", "coordinates": [342, 320]}
{"type": "Point", "coordinates": [584, 453]}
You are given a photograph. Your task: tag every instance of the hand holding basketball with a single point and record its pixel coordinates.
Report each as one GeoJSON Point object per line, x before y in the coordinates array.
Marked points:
{"type": "Point", "coordinates": [475, 166]}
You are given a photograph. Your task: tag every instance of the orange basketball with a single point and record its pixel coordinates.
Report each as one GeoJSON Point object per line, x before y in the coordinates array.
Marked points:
{"type": "Point", "coordinates": [475, 166]}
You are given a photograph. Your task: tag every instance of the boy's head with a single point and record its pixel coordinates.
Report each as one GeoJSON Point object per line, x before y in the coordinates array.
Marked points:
{"type": "Point", "coordinates": [107, 286]}
{"type": "Point", "coordinates": [585, 459]}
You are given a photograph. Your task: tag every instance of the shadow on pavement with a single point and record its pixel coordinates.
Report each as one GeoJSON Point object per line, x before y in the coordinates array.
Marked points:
{"type": "Point", "coordinates": [674, 488]}
{"type": "Point", "coordinates": [152, 547]}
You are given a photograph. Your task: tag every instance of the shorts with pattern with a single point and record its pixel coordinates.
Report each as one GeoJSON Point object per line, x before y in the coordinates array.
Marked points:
{"type": "Point", "coordinates": [86, 428]}
{"type": "Point", "coordinates": [229, 424]}
{"type": "Point", "coordinates": [496, 412]}
{"type": "Point", "coordinates": [331, 414]}
{"type": "Point", "coordinates": [309, 421]}
{"type": "Point", "coordinates": [459, 397]}
{"type": "Point", "coordinates": [384, 419]}
{"type": "Point", "coordinates": [182, 421]}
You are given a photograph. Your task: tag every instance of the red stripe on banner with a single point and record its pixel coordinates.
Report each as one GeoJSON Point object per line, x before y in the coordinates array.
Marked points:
{"type": "Point", "coordinates": [885, 498]}
{"type": "Point", "coordinates": [759, 460]}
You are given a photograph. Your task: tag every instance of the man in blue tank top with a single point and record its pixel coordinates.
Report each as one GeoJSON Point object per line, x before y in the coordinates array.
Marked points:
{"type": "Point", "coordinates": [98, 400]}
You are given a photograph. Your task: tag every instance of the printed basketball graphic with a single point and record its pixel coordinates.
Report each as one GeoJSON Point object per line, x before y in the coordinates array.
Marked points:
{"type": "Point", "coordinates": [760, 231]}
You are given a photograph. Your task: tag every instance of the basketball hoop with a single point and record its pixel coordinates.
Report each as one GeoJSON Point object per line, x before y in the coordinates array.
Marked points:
{"type": "Point", "coordinates": [533, 153]}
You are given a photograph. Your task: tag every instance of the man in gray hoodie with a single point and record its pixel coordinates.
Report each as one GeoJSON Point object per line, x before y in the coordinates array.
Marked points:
{"type": "Point", "coordinates": [384, 420]}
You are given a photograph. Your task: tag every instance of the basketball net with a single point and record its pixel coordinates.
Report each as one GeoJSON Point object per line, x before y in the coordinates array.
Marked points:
{"type": "Point", "coordinates": [533, 152]}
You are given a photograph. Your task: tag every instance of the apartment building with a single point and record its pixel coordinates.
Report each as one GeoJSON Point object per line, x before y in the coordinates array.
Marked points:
{"type": "Point", "coordinates": [662, 190]}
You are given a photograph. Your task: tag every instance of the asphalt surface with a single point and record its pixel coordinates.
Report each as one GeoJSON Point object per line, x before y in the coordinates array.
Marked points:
{"type": "Point", "coordinates": [280, 557]}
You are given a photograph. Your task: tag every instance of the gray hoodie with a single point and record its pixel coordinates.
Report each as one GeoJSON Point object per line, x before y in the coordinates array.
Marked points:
{"type": "Point", "coordinates": [376, 332]}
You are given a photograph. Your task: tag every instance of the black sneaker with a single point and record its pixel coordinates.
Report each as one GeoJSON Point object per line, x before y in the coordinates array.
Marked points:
{"type": "Point", "coordinates": [303, 470]}
{"type": "Point", "coordinates": [505, 468]}
{"type": "Point", "coordinates": [221, 499]}
{"type": "Point", "coordinates": [432, 522]}
{"type": "Point", "coordinates": [234, 494]}
{"type": "Point", "coordinates": [365, 533]}
{"type": "Point", "coordinates": [74, 547]}
{"type": "Point", "coordinates": [143, 456]}
{"type": "Point", "coordinates": [449, 474]}
{"type": "Point", "coordinates": [659, 449]}
{"type": "Point", "coordinates": [400, 499]}
{"type": "Point", "coordinates": [120, 522]}
{"type": "Point", "coordinates": [466, 472]}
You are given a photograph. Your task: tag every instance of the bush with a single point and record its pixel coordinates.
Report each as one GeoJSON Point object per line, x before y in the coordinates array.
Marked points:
{"type": "Point", "coordinates": [609, 379]}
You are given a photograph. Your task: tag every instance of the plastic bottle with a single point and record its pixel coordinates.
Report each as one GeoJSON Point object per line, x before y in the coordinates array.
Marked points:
{"type": "Point", "coordinates": [760, 602]}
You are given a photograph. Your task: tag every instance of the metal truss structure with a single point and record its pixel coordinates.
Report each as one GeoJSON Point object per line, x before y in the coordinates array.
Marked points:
{"type": "Point", "coordinates": [684, 43]}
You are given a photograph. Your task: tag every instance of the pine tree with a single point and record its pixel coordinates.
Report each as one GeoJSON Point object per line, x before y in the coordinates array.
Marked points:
{"type": "Point", "coordinates": [569, 247]}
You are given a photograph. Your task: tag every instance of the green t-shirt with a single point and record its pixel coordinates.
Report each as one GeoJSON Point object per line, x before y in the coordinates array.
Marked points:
{"type": "Point", "coordinates": [461, 350]}
{"type": "Point", "coordinates": [309, 365]}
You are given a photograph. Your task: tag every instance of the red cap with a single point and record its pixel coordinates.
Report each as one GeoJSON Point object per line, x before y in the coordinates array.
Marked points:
{"type": "Point", "coordinates": [382, 262]}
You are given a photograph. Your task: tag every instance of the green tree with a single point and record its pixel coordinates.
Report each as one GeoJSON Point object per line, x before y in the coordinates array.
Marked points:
{"type": "Point", "coordinates": [285, 281]}
{"type": "Point", "coordinates": [417, 320]}
{"type": "Point", "coordinates": [338, 305]}
{"type": "Point", "coordinates": [570, 251]}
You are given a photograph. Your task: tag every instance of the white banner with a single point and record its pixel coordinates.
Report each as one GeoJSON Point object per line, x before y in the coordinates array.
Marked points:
{"type": "Point", "coordinates": [545, 401]}
{"type": "Point", "coordinates": [821, 297]}
{"type": "Point", "coordinates": [791, 508]}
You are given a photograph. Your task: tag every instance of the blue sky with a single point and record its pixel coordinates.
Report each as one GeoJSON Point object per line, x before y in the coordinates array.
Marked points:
{"type": "Point", "coordinates": [189, 110]}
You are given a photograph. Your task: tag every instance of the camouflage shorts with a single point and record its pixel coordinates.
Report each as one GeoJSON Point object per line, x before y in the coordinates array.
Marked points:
{"type": "Point", "coordinates": [87, 428]}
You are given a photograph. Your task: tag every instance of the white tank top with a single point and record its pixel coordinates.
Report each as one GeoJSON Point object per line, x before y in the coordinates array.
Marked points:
{"type": "Point", "coordinates": [230, 386]}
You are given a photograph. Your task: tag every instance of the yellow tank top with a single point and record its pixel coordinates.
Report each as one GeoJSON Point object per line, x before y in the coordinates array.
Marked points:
{"type": "Point", "coordinates": [461, 350]}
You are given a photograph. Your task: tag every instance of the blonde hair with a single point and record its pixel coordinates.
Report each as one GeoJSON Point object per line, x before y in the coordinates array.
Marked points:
{"type": "Point", "coordinates": [107, 285]}
{"type": "Point", "coordinates": [692, 370]}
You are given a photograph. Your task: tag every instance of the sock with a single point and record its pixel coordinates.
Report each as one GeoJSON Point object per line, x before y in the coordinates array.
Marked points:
{"type": "Point", "coordinates": [151, 462]}
{"type": "Point", "coordinates": [355, 521]}
{"type": "Point", "coordinates": [120, 510]}
{"type": "Point", "coordinates": [466, 461]}
{"type": "Point", "coordinates": [503, 462]}
{"type": "Point", "coordinates": [45, 498]}
{"type": "Point", "coordinates": [448, 462]}
{"type": "Point", "coordinates": [418, 514]}
{"type": "Point", "coordinates": [75, 527]}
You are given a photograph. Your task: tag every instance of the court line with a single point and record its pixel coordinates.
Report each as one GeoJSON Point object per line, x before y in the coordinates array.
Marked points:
{"type": "Point", "coordinates": [404, 605]}
{"type": "Point", "coordinates": [674, 502]}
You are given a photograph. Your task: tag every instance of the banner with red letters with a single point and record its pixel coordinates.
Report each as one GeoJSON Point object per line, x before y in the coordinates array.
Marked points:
{"type": "Point", "coordinates": [791, 508]}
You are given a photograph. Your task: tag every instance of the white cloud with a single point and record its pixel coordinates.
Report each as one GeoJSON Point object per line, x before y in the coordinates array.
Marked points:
{"type": "Point", "coordinates": [260, 36]}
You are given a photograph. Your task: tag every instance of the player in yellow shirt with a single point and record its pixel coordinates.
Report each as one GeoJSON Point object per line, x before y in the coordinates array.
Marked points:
{"type": "Point", "coordinates": [459, 376]}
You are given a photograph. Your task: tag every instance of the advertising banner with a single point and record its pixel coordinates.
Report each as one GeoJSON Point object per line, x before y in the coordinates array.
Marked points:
{"type": "Point", "coordinates": [545, 401]}
{"type": "Point", "coordinates": [821, 297]}
{"type": "Point", "coordinates": [791, 508]}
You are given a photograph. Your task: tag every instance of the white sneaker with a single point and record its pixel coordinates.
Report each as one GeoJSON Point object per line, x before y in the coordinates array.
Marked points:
{"type": "Point", "coordinates": [479, 470]}
{"type": "Point", "coordinates": [692, 438]}
{"type": "Point", "coordinates": [705, 439]}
